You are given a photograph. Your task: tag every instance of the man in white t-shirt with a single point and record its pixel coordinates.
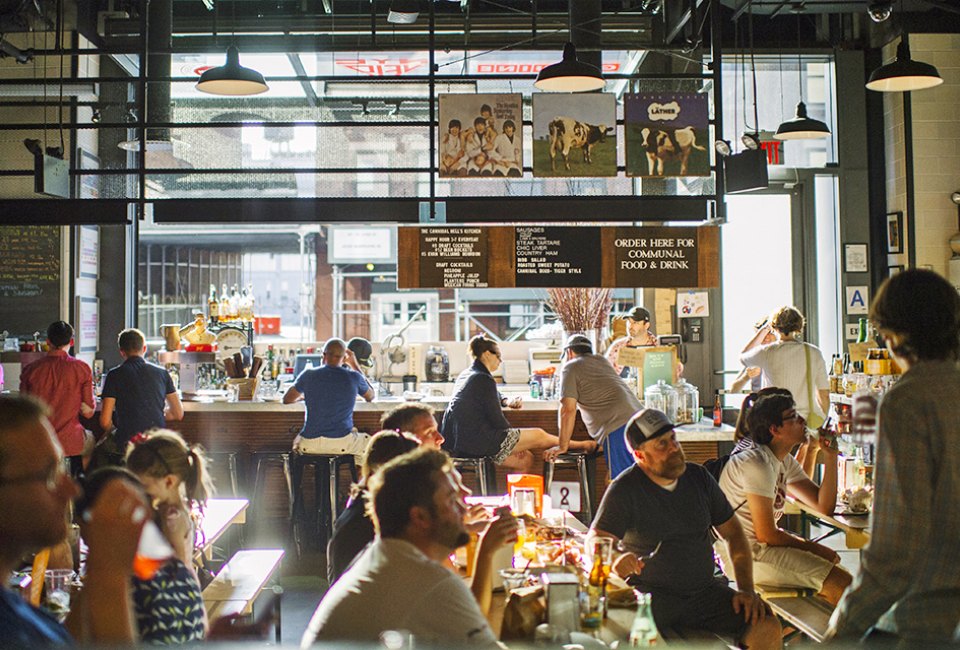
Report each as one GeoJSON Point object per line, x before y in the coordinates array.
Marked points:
{"type": "Point", "coordinates": [399, 581]}
{"type": "Point", "coordinates": [756, 483]}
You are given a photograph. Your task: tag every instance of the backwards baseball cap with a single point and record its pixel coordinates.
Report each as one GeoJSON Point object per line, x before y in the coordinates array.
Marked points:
{"type": "Point", "coordinates": [578, 341]}
{"type": "Point", "coordinates": [638, 313]}
{"type": "Point", "coordinates": [362, 350]}
{"type": "Point", "coordinates": [647, 424]}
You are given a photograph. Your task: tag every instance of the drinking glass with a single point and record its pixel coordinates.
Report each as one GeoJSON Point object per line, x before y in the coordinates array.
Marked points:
{"type": "Point", "coordinates": [513, 579]}
{"type": "Point", "coordinates": [523, 501]}
{"type": "Point", "coordinates": [602, 546]}
{"type": "Point", "coordinates": [59, 582]}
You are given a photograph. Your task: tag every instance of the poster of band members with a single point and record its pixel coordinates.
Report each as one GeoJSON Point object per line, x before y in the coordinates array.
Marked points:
{"type": "Point", "coordinates": [667, 134]}
{"type": "Point", "coordinates": [574, 134]}
{"type": "Point", "coordinates": [481, 135]}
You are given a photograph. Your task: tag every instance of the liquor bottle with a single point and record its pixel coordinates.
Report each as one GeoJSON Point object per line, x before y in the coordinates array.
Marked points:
{"type": "Point", "coordinates": [234, 304]}
{"type": "Point", "coordinates": [246, 307]}
{"type": "Point", "coordinates": [268, 367]}
{"type": "Point", "coordinates": [643, 632]}
{"type": "Point", "coordinates": [224, 303]}
{"type": "Point", "coordinates": [213, 305]}
{"type": "Point", "coordinates": [717, 411]}
{"type": "Point", "coordinates": [253, 302]}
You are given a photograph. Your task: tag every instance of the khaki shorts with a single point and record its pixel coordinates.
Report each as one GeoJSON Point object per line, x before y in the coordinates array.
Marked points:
{"type": "Point", "coordinates": [781, 566]}
{"type": "Point", "coordinates": [354, 443]}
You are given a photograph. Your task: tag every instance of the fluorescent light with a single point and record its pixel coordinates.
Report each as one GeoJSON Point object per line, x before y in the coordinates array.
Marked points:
{"type": "Point", "coordinates": [33, 88]}
{"type": "Point", "coordinates": [366, 89]}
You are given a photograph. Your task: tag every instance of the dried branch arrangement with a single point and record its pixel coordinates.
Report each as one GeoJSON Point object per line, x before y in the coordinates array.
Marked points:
{"type": "Point", "coordinates": [580, 310]}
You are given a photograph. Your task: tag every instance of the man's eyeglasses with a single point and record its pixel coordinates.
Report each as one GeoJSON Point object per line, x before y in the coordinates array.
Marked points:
{"type": "Point", "coordinates": [795, 416]}
{"type": "Point", "coordinates": [50, 477]}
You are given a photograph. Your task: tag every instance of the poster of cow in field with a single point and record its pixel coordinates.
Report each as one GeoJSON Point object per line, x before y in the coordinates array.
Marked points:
{"type": "Point", "coordinates": [666, 134]}
{"type": "Point", "coordinates": [574, 134]}
{"type": "Point", "coordinates": [481, 135]}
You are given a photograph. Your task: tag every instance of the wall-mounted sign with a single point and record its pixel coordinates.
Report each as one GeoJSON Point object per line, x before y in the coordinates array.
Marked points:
{"type": "Point", "coordinates": [453, 257]}
{"type": "Point", "coordinates": [558, 256]}
{"type": "Point", "coordinates": [656, 257]}
{"type": "Point", "coordinates": [362, 244]}
{"type": "Point", "coordinates": [858, 300]}
{"type": "Point", "coordinates": [88, 252]}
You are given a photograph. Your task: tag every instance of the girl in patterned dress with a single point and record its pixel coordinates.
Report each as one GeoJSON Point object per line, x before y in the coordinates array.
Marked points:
{"type": "Point", "coordinates": [169, 606]}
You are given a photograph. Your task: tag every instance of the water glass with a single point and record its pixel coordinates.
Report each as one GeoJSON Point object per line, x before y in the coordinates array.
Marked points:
{"type": "Point", "coordinates": [59, 582]}
{"type": "Point", "coordinates": [602, 546]}
{"type": "Point", "coordinates": [513, 579]}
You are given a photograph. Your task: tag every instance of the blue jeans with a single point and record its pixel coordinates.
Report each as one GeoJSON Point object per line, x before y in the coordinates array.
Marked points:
{"type": "Point", "coordinates": [619, 458]}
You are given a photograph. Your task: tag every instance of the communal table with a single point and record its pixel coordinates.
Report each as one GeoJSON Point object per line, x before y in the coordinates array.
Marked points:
{"type": "Point", "coordinates": [218, 516]}
{"type": "Point", "coordinates": [856, 528]}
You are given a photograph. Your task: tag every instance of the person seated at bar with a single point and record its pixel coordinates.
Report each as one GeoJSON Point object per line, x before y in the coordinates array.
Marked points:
{"type": "Point", "coordinates": [666, 507]}
{"type": "Point", "coordinates": [417, 419]}
{"type": "Point", "coordinates": [638, 336]}
{"type": "Point", "coordinates": [353, 529]}
{"type": "Point", "coordinates": [65, 384]}
{"type": "Point", "coordinates": [741, 432]}
{"type": "Point", "coordinates": [330, 394]}
{"type": "Point", "coordinates": [35, 494]}
{"type": "Point", "coordinates": [589, 384]}
{"type": "Point", "coordinates": [169, 606]}
{"type": "Point", "coordinates": [474, 424]}
{"type": "Point", "coordinates": [400, 582]}
{"type": "Point", "coordinates": [762, 477]}
{"type": "Point", "coordinates": [135, 392]}
{"type": "Point", "coordinates": [909, 578]}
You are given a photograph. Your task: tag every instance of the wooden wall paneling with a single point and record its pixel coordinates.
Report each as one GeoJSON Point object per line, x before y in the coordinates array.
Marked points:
{"type": "Point", "coordinates": [708, 262]}
{"type": "Point", "coordinates": [408, 257]}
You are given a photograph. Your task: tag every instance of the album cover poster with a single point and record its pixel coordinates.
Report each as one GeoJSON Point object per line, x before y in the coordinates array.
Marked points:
{"type": "Point", "coordinates": [481, 135]}
{"type": "Point", "coordinates": [667, 134]}
{"type": "Point", "coordinates": [574, 134]}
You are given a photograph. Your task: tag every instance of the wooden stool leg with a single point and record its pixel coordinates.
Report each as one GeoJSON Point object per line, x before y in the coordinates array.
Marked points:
{"type": "Point", "coordinates": [481, 470]}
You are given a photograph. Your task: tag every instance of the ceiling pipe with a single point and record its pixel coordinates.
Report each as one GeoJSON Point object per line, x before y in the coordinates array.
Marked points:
{"type": "Point", "coordinates": [586, 30]}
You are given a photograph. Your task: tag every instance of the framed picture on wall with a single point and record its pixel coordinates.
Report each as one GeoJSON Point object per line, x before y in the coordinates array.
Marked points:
{"type": "Point", "coordinates": [893, 270]}
{"type": "Point", "coordinates": [895, 232]}
{"type": "Point", "coordinates": [87, 324]}
{"type": "Point", "coordinates": [855, 258]}
{"type": "Point", "coordinates": [88, 252]}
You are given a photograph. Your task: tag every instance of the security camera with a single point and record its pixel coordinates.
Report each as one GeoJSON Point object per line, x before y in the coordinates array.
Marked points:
{"type": "Point", "coordinates": [880, 10]}
{"type": "Point", "coordinates": [955, 197]}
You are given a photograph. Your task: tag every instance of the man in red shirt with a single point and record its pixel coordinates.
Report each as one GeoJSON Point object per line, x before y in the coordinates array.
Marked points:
{"type": "Point", "coordinates": [66, 385]}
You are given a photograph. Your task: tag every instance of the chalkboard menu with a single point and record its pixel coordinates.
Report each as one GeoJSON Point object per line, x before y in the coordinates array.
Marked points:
{"type": "Point", "coordinates": [656, 257]}
{"type": "Point", "coordinates": [29, 277]}
{"type": "Point", "coordinates": [453, 257]}
{"type": "Point", "coordinates": [557, 256]}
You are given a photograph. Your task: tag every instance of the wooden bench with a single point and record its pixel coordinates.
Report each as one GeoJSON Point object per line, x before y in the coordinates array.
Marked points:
{"type": "Point", "coordinates": [805, 611]}
{"type": "Point", "coordinates": [237, 586]}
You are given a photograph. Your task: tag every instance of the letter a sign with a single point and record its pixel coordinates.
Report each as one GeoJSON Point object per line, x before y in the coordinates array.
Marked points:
{"type": "Point", "coordinates": [858, 299]}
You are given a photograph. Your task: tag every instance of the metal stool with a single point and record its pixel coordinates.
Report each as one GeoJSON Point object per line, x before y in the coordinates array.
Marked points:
{"type": "Point", "coordinates": [483, 468]}
{"type": "Point", "coordinates": [231, 458]}
{"type": "Point", "coordinates": [586, 466]}
{"type": "Point", "coordinates": [326, 501]}
{"type": "Point", "coordinates": [259, 461]}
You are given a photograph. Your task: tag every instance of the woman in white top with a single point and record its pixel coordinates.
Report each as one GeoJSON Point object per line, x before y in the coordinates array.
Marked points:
{"type": "Point", "coordinates": [792, 364]}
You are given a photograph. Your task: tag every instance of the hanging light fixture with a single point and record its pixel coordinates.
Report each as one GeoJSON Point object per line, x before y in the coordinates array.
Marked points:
{"type": "Point", "coordinates": [802, 126]}
{"type": "Point", "coordinates": [570, 75]}
{"type": "Point", "coordinates": [404, 12]}
{"type": "Point", "coordinates": [904, 74]}
{"type": "Point", "coordinates": [232, 78]}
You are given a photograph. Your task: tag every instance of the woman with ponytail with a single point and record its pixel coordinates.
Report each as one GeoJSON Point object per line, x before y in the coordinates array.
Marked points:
{"type": "Point", "coordinates": [169, 606]}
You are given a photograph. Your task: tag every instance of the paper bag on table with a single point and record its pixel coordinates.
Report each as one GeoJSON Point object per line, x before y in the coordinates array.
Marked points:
{"type": "Point", "coordinates": [524, 611]}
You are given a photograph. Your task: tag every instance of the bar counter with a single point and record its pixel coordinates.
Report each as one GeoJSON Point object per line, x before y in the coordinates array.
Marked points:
{"type": "Point", "coordinates": [247, 427]}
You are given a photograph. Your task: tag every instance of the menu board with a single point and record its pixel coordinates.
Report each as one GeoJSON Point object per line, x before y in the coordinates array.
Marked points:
{"type": "Point", "coordinates": [453, 258]}
{"type": "Point", "coordinates": [29, 277]}
{"type": "Point", "coordinates": [656, 257]}
{"type": "Point", "coordinates": [557, 256]}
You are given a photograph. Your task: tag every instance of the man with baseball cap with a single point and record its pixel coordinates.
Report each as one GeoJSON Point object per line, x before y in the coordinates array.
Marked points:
{"type": "Point", "coordinates": [663, 508]}
{"type": "Point", "coordinates": [638, 336]}
{"type": "Point", "coordinates": [589, 384]}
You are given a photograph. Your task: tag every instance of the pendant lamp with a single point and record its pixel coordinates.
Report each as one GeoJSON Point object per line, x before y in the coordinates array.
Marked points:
{"type": "Point", "coordinates": [232, 78]}
{"type": "Point", "coordinates": [801, 127]}
{"type": "Point", "coordinates": [570, 75]}
{"type": "Point", "coordinates": [904, 74]}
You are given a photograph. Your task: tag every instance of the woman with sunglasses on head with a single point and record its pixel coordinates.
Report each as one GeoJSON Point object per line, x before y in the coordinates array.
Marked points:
{"type": "Point", "coordinates": [474, 424]}
{"type": "Point", "coordinates": [169, 606]}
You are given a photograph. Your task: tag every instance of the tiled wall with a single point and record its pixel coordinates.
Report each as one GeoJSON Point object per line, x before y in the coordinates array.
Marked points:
{"type": "Point", "coordinates": [936, 150]}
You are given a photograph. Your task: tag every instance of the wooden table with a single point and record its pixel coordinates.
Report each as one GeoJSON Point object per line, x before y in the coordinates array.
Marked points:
{"type": "Point", "coordinates": [856, 528]}
{"type": "Point", "coordinates": [218, 516]}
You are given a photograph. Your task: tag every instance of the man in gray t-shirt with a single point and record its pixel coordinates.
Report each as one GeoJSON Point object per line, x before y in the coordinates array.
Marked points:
{"type": "Point", "coordinates": [589, 383]}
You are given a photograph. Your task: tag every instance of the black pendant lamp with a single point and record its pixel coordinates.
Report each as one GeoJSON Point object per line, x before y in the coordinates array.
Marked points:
{"type": "Point", "coordinates": [232, 78]}
{"type": "Point", "coordinates": [801, 127]}
{"type": "Point", "coordinates": [570, 75]}
{"type": "Point", "coordinates": [904, 74]}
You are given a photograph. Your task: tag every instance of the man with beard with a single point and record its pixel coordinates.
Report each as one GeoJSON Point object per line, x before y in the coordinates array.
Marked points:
{"type": "Point", "coordinates": [399, 582]}
{"type": "Point", "coordinates": [665, 503]}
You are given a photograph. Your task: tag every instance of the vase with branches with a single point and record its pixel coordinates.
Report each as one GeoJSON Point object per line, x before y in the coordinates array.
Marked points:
{"type": "Point", "coordinates": [585, 311]}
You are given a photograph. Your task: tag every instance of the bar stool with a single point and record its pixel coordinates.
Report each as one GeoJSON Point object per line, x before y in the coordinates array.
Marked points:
{"type": "Point", "coordinates": [326, 501]}
{"type": "Point", "coordinates": [259, 462]}
{"type": "Point", "coordinates": [482, 467]}
{"type": "Point", "coordinates": [230, 457]}
{"type": "Point", "coordinates": [586, 466]}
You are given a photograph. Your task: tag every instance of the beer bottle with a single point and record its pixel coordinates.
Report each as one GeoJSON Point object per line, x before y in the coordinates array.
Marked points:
{"type": "Point", "coordinates": [717, 411]}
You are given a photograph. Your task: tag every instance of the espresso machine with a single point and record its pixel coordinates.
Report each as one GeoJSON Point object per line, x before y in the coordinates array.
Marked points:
{"type": "Point", "coordinates": [437, 364]}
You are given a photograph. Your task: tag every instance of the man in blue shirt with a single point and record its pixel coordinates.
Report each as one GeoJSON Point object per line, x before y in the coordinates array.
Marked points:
{"type": "Point", "coordinates": [136, 392]}
{"type": "Point", "coordinates": [330, 393]}
{"type": "Point", "coordinates": [35, 492]}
